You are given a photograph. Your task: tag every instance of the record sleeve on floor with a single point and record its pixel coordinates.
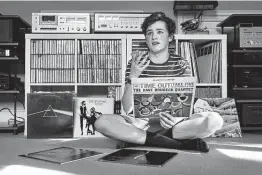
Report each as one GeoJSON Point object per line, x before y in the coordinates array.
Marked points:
{"type": "Point", "coordinates": [61, 155]}
{"type": "Point", "coordinates": [139, 157]}
{"type": "Point", "coordinates": [50, 115]}
{"type": "Point", "coordinates": [226, 108]}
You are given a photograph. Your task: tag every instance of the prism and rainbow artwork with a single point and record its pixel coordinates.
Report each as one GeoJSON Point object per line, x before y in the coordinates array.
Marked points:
{"type": "Point", "coordinates": [50, 115]}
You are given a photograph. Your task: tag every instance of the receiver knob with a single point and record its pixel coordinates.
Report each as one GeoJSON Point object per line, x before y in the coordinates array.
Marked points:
{"type": "Point", "coordinates": [251, 42]}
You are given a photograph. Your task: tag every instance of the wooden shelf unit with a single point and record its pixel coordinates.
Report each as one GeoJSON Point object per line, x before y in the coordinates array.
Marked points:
{"type": "Point", "coordinates": [126, 47]}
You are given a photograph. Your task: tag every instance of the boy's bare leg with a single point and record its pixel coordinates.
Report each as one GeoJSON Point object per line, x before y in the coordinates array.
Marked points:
{"type": "Point", "coordinates": [198, 126]}
{"type": "Point", "coordinates": [115, 126]}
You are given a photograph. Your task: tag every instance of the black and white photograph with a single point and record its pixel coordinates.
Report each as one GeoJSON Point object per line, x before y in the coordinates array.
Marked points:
{"type": "Point", "coordinates": [172, 85]}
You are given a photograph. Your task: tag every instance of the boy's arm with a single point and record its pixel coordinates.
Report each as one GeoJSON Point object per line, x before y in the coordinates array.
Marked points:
{"type": "Point", "coordinates": [135, 67]}
{"type": "Point", "coordinates": [142, 123]}
{"type": "Point", "coordinates": [127, 99]}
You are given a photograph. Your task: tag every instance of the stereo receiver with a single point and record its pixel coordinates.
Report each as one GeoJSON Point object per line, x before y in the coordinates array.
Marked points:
{"type": "Point", "coordinates": [61, 23]}
{"type": "Point", "coordinates": [246, 37]}
{"type": "Point", "coordinates": [119, 22]}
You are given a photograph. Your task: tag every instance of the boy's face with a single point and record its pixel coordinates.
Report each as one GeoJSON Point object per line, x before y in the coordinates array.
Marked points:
{"type": "Point", "coordinates": [157, 37]}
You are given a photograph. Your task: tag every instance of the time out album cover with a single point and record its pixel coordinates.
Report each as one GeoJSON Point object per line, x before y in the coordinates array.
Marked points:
{"type": "Point", "coordinates": [172, 95]}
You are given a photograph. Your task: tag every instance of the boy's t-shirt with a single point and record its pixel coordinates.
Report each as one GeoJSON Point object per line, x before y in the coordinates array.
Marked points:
{"type": "Point", "coordinates": [175, 66]}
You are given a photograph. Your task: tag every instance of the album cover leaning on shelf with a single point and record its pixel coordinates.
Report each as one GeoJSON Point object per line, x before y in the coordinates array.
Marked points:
{"type": "Point", "coordinates": [173, 95]}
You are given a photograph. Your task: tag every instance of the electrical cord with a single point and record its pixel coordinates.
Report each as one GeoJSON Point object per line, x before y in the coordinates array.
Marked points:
{"type": "Point", "coordinates": [17, 121]}
{"type": "Point", "coordinates": [23, 120]}
{"type": "Point", "coordinates": [19, 100]}
{"type": "Point", "coordinates": [21, 91]}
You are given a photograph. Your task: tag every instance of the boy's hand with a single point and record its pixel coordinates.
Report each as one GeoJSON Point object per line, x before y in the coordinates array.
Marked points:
{"type": "Point", "coordinates": [138, 65]}
{"type": "Point", "coordinates": [166, 120]}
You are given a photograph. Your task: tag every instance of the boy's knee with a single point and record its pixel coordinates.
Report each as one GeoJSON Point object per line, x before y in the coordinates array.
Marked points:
{"type": "Point", "coordinates": [214, 121]}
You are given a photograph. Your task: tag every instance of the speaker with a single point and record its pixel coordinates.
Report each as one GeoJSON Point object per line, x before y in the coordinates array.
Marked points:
{"type": "Point", "coordinates": [252, 113]}
{"type": "Point", "coordinates": [10, 25]}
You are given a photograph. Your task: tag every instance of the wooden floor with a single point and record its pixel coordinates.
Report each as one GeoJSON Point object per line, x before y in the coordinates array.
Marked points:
{"type": "Point", "coordinates": [236, 156]}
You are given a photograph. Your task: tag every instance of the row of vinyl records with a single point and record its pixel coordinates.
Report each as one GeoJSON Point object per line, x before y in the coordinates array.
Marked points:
{"type": "Point", "coordinates": [205, 61]}
{"type": "Point", "coordinates": [83, 61]}
{"type": "Point", "coordinates": [208, 92]}
{"type": "Point", "coordinates": [65, 75]}
{"type": "Point", "coordinates": [99, 68]}
{"type": "Point", "coordinates": [90, 68]}
{"type": "Point", "coordinates": [43, 46]}
{"type": "Point", "coordinates": [206, 65]}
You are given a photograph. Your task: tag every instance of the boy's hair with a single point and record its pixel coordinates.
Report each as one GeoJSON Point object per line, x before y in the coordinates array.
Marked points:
{"type": "Point", "coordinates": [159, 16]}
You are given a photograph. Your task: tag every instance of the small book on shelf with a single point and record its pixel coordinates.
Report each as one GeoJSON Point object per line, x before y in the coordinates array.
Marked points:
{"type": "Point", "coordinates": [172, 95]}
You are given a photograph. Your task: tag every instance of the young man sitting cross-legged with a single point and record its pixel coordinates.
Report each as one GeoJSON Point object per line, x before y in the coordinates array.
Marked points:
{"type": "Point", "coordinates": [187, 134]}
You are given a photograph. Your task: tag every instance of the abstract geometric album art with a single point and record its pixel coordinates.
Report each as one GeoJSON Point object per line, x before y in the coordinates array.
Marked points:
{"type": "Point", "coordinates": [226, 108]}
{"type": "Point", "coordinates": [176, 104]}
{"type": "Point", "coordinates": [50, 115]}
{"type": "Point", "coordinates": [171, 95]}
